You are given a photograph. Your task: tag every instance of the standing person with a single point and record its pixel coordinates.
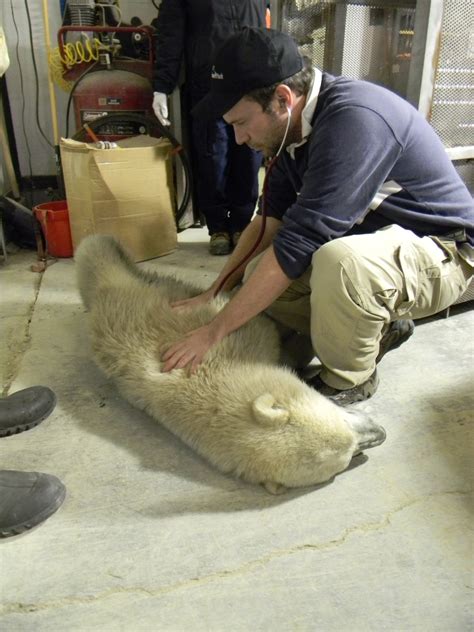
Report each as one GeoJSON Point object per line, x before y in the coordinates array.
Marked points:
{"type": "Point", "coordinates": [225, 173]}
{"type": "Point", "coordinates": [368, 223]}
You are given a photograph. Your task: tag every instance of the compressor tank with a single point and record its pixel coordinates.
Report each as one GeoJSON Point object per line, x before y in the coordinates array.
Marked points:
{"type": "Point", "coordinates": [112, 91]}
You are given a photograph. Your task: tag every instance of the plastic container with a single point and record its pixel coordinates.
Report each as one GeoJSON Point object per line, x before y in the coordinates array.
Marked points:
{"type": "Point", "coordinates": [54, 220]}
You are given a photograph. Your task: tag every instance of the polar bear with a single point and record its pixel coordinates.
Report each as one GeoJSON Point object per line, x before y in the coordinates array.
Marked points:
{"type": "Point", "coordinates": [242, 412]}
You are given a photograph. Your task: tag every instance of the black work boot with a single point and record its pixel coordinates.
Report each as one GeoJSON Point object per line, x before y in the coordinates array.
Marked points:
{"type": "Point", "coordinates": [25, 409]}
{"type": "Point", "coordinates": [27, 499]}
{"type": "Point", "coordinates": [349, 396]}
{"type": "Point", "coordinates": [398, 332]}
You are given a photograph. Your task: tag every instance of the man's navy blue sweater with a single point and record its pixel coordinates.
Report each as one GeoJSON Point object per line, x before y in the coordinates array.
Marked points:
{"type": "Point", "coordinates": [363, 136]}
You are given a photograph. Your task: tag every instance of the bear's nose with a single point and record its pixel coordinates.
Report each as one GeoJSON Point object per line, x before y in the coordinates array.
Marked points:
{"type": "Point", "coordinates": [371, 437]}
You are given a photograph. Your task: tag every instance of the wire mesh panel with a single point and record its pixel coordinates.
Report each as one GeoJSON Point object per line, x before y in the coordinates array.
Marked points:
{"type": "Point", "coordinates": [364, 40]}
{"type": "Point", "coordinates": [452, 113]}
{"type": "Point", "coordinates": [376, 40]}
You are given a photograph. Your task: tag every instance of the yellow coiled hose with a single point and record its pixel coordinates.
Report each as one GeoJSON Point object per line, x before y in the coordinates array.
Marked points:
{"type": "Point", "coordinates": [73, 53]}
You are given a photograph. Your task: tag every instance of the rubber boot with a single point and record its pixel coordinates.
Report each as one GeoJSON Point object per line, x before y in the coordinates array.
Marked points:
{"type": "Point", "coordinates": [27, 499]}
{"type": "Point", "coordinates": [25, 409]}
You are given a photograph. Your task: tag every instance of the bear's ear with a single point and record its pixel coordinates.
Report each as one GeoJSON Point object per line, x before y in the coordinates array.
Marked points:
{"type": "Point", "coordinates": [267, 412]}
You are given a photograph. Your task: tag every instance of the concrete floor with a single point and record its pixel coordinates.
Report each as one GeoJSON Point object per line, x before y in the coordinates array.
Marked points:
{"type": "Point", "coordinates": [152, 538]}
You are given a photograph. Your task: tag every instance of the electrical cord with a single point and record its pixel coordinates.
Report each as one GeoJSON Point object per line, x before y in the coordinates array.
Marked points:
{"type": "Point", "coordinates": [23, 100]}
{"type": "Point", "coordinates": [30, 31]}
{"type": "Point", "coordinates": [155, 129]}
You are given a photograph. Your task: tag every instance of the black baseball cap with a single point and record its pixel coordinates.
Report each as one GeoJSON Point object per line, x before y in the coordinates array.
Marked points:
{"type": "Point", "coordinates": [252, 58]}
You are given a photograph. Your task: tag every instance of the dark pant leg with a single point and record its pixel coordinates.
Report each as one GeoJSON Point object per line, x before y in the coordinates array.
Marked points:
{"type": "Point", "coordinates": [242, 183]}
{"type": "Point", "coordinates": [210, 143]}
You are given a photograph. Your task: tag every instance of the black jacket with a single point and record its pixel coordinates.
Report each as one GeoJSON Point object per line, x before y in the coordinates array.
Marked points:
{"type": "Point", "coordinates": [195, 28]}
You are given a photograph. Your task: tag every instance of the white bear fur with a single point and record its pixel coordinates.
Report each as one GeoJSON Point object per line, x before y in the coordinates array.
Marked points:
{"type": "Point", "coordinates": [240, 411]}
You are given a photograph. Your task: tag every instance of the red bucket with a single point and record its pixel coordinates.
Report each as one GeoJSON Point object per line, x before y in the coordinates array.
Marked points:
{"type": "Point", "coordinates": [54, 220]}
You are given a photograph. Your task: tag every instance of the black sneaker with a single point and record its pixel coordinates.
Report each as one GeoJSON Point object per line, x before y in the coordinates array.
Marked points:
{"type": "Point", "coordinates": [349, 396]}
{"type": "Point", "coordinates": [27, 499]}
{"type": "Point", "coordinates": [398, 333]}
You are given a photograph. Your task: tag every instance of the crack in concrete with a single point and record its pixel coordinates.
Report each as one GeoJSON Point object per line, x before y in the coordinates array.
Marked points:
{"type": "Point", "coordinates": [23, 608]}
{"type": "Point", "coordinates": [15, 360]}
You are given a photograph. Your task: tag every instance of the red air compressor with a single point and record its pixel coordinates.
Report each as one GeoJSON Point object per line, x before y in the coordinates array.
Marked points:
{"type": "Point", "coordinates": [115, 84]}
{"type": "Point", "coordinates": [112, 84]}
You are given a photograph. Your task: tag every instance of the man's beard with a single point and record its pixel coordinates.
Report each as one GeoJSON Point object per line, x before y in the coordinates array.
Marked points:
{"type": "Point", "coordinates": [275, 135]}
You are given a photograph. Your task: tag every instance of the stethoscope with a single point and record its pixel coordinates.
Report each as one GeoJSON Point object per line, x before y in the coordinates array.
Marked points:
{"type": "Point", "coordinates": [264, 209]}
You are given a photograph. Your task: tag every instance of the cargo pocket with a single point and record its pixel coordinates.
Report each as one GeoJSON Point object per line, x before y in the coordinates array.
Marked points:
{"type": "Point", "coordinates": [440, 278]}
{"type": "Point", "coordinates": [409, 263]}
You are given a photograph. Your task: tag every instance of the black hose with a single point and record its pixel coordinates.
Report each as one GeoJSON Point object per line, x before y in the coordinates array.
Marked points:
{"type": "Point", "coordinates": [157, 130]}
{"type": "Point", "coordinates": [71, 93]}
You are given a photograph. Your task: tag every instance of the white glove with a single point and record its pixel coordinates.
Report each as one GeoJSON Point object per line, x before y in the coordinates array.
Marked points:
{"type": "Point", "coordinates": [160, 107]}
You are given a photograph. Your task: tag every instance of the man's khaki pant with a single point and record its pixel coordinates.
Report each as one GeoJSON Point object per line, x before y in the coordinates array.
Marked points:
{"type": "Point", "coordinates": [357, 285]}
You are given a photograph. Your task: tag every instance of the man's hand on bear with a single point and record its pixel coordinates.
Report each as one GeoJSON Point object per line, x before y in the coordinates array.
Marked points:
{"type": "Point", "coordinates": [194, 301]}
{"type": "Point", "coordinates": [190, 351]}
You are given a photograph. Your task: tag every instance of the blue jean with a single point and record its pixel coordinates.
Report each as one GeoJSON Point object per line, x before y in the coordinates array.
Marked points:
{"type": "Point", "coordinates": [226, 176]}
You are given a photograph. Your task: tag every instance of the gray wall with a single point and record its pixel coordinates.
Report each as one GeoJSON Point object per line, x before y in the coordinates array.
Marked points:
{"type": "Point", "coordinates": [35, 156]}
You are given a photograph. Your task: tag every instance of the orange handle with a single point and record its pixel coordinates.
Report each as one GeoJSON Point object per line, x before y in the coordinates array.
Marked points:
{"type": "Point", "coordinates": [91, 133]}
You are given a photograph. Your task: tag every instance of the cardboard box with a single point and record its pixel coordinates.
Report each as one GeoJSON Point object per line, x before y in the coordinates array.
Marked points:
{"type": "Point", "coordinates": [126, 192]}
